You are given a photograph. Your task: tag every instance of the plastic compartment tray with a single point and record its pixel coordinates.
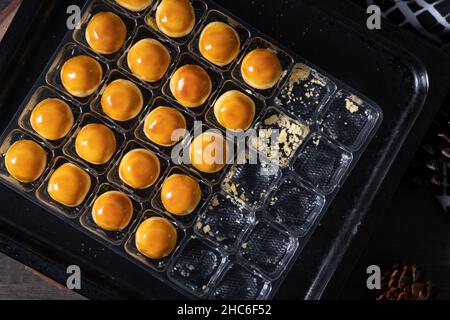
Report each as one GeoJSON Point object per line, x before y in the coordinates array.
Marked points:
{"type": "Point", "coordinates": [250, 227]}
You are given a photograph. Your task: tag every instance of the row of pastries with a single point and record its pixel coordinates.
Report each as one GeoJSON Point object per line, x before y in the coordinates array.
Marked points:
{"type": "Point", "coordinates": [69, 185]}
{"type": "Point", "coordinates": [122, 100]}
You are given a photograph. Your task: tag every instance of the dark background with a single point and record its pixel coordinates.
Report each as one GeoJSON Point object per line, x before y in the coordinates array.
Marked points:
{"type": "Point", "coordinates": [414, 230]}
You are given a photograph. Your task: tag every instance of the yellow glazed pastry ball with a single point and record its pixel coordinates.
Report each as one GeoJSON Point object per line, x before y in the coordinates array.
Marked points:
{"type": "Point", "coordinates": [191, 85]}
{"type": "Point", "coordinates": [95, 143]}
{"type": "Point", "coordinates": [261, 69]}
{"type": "Point", "coordinates": [180, 194]}
{"type": "Point", "coordinates": [134, 5]}
{"type": "Point", "coordinates": [234, 110]}
{"type": "Point", "coordinates": [106, 33]}
{"type": "Point", "coordinates": [69, 185]}
{"type": "Point", "coordinates": [209, 152]}
{"type": "Point", "coordinates": [161, 123]}
{"type": "Point", "coordinates": [122, 100]}
{"type": "Point", "coordinates": [81, 75]}
{"type": "Point", "coordinates": [25, 161]}
{"type": "Point", "coordinates": [149, 60]}
{"type": "Point", "coordinates": [219, 43]}
{"type": "Point", "coordinates": [139, 168]}
{"type": "Point", "coordinates": [156, 238]}
{"type": "Point", "coordinates": [52, 119]}
{"type": "Point", "coordinates": [112, 211]}
{"type": "Point", "coordinates": [175, 18]}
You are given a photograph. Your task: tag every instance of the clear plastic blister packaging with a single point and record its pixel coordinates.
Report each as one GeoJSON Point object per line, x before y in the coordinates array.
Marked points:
{"type": "Point", "coordinates": [114, 77]}
{"type": "Point", "coordinates": [97, 7]}
{"type": "Point", "coordinates": [184, 220]}
{"type": "Point", "coordinates": [224, 221]}
{"type": "Point", "coordinates": [248, 222]}
{"type": "Point", "coordinates": [116, 237]}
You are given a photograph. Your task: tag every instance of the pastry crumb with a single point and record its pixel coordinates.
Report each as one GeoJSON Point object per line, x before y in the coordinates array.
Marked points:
{"type": "Point", "coordinates": [215, 202]}
{"type": "Point", "coordinates": [351, 106]}
{"type": "Point", "coordinates": [299, 74]}
{"type": "Point", "coordinates": [206, 229]}
{"type": "Point", "coordinates": [291, 134]}
{"type": "Point", "coordinates": [271, 120]}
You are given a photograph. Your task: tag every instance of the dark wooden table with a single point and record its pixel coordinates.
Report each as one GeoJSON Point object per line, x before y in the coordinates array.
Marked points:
{"type": "Point", "coordinates": [16, 280]}
{"type": "Point", "coordinates": [19, 282]}
{"type": "Point", "coordinates": [8, 9]}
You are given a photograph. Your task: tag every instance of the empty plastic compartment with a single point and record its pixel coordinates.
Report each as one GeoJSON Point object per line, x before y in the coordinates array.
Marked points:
{"type": "Point", "coordinates": [224, 221]}
{"type": "Point", "coordinates": [238, 283]}
{"type": "Point", "coordinates": [196, 267]}
{"type": "Point", "coordinates": [279, 136]}
{"type": "Point", "coordinates": [268, 249]}
{"type": "Point", "coordinates": [250, 183]}
{"type": "Point", "coordinates": [304, 93]}
{"type": "Point", "coordinates": [348, 120]}
{"type": "Point", "coordinates": [322, 163]}
{"type": "Point", "coordinates": [294, 206]}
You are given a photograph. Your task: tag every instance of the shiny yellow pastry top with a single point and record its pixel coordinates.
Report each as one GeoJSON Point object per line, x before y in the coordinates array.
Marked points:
{"type": "Point", "coordinates": [25, 161]}
{"type": "Point", "coordinates": [148, 59]}
{"type": "Point", "coordinates": [69, 185]}
{"type": "Point", "coordinates": [139, 168]}
{"type": "Point", "coordinates": [161, 123]}
{"type": "Point", "coordinates": [191, 85]}
{"type": "Point", "coordinates": [234, 110]}
{"type": "Point", "coordinates": [81, 75]}
{"type": "Point", "coordinates": [106, 33]}
{"type": "Point", "coordinates": [122, 100]}
{"type": "Point", "coordinates": [134, 5]}
{"type": "Point", "coordinates": [112, 211]}
{"type": "Point", "coordinates": [261, 69]}
{"type": "Point", "coordinates": [180, 194]}
{"type": "Point", "coordinates": [52, 119]}
{"type": "Point", "coordinates": [175, 18]}
{"type": "Point", "coordinates": [209, 152]}
{"type": "Point", "coordinates": [95, 143]}
{"type": "Point", "coordinates": [156, 238]}
{"type": "Point", "coordinates": [219, 43]}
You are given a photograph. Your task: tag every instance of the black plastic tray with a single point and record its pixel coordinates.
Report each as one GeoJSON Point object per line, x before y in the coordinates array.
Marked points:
{"type": "Point", "coordinates": [366, 65]}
